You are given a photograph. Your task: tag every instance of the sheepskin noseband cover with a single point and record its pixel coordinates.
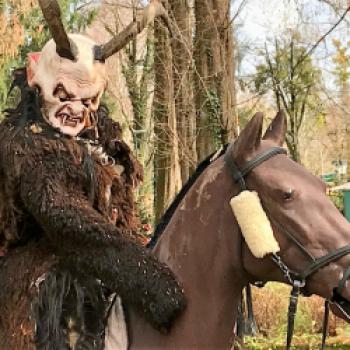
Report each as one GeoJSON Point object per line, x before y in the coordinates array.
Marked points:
{"type": "Point", "coordinates": [254, 224]}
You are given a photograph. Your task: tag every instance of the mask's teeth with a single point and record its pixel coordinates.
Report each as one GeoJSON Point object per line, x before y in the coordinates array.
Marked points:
{"type": "Point", "coordinates": [64, 119]}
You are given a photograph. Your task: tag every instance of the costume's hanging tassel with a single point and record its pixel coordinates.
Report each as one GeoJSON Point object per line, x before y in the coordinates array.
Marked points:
{"type": "Point", "coordinates": [325, 324]}
{"type": "Point", "coordinates": [254, 224]}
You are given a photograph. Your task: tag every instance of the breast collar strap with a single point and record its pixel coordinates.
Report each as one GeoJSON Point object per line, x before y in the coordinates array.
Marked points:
{"type": "Point", "coordinates": [296, 279]}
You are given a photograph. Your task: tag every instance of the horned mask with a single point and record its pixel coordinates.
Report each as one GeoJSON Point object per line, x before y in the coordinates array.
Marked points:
{"type": "Point", "coordinates": [70, 72]}
{"type": "Point", "coordinates": [70, 89]}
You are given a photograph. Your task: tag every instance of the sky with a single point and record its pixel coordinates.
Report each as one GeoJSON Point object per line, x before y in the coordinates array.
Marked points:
{"type": "Point", "coordinates": [261, 21]}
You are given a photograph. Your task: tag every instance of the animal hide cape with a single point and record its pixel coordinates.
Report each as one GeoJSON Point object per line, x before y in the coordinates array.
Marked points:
{"type": "Point", "coordinates": [254, 224]}
{"type": "Point", "coordinates": [68, 228]}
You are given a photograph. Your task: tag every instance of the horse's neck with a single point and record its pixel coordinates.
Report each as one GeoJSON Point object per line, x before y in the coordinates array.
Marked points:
{"type": "Point", "coordinates": [202, 246]}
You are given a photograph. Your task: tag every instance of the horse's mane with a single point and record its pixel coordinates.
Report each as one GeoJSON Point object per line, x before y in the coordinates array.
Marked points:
{"type": "Point", "coordinates": [173, 206]}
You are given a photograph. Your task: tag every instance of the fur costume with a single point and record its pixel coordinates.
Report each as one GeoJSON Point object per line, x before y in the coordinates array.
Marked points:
{"type": "Point", "coordinates": [67, 227]}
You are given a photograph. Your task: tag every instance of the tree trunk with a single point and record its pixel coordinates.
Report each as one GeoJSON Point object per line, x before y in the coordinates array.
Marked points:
{"type": "Point", "coordinates": [167, 169]}
{"type": "Point", "coordinates": [140, 85]}
{"type": "Point", "coordinates": [183, 86]}
{"type": "Point", "coordinates": [215, 92]}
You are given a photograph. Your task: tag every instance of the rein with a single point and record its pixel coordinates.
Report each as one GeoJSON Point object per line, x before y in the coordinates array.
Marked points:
{"type": "Point", "coordinates": [296, 279]}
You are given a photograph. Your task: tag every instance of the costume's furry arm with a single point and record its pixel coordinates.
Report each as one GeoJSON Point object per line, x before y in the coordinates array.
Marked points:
{"type": "Point", "coordinates": [91, 245]}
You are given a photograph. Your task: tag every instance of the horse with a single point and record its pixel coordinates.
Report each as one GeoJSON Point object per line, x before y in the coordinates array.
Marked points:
{"type": "Point", "coordinates": [203, 244]}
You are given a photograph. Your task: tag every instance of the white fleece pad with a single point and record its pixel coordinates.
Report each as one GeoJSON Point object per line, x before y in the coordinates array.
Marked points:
{"type": "Point", "coordinates": [116, 335]}
{"type": "Point", "coordinates": [254, 224]}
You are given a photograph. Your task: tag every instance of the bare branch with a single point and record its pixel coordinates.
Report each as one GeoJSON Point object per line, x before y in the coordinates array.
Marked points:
{"type": "Point", "coordinates": [153, 10]}
{"type": "Point", "coordinates": [239, 10]}
{"type": "Point", "coordinates": [312, 49]}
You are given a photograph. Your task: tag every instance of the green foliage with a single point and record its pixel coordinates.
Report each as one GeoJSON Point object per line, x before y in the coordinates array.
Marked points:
{"type": "Point", "coordinates": [342, 63]}
{"type": "Point", "coordinates": [109, 101]}
{"type": "Point", "coordinates": [37, 34]}
{"type": "Point", "coordinates": [139, 76]}
{"type": "Point", "coordinates": [283, 69]}
{"type": "Point", "coordinates": [337, 197]}
{"type": "Point", "coordinates": [271, 305]}
{"type": "Point", "coordinates": [290, 75]}
{"type": "Point", "coordinates": [213, 108]}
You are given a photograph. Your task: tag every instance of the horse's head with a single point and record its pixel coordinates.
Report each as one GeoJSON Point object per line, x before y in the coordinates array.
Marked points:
{"type": "Point", "coordinates": [312, 234]}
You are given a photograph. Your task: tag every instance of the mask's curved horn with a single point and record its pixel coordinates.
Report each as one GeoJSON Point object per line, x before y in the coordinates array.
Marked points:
{"type": "Point", "coordinates": [52, 15]}
{"type": "Point", "coordinates": [153, 10]}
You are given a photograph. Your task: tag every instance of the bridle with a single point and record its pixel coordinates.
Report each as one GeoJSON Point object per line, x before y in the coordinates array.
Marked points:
{"type": "Point", "coordinates": [297, 280]}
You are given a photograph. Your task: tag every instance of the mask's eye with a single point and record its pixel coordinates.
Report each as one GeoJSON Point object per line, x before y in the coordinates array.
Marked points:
{"type": "Point", "coordinates": [86, 102]}
{"type": "Point", "coordinates": [288, 195]}
{"type": "Point", "coordinates": [61, 93]}
{"type": "Point", "coordinates": [38, 89]}
{"type": "Point", "coordinates": [90, 102]}
{"type": "Point", "coordinates": [94, 99]}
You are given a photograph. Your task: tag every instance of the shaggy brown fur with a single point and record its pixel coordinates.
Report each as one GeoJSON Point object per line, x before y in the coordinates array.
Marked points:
{"type": "Point", "coordinates": [67, 219]}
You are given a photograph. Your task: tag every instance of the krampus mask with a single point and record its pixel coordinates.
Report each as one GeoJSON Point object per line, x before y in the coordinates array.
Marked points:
{"type": "Point", "coordinates": [70, 89]}
{"type": "Point", "coordinates": [70, 73]}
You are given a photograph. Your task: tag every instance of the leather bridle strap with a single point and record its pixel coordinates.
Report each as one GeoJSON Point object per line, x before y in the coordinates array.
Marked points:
{"type": "Point", "coordinates": [325, 324]}
{"type": "Point", "coordinates": [239, 174]}
{"type": "Point", "coordinates": [325, 260]}
{"type": "Point", "coordinates": [297, 280]}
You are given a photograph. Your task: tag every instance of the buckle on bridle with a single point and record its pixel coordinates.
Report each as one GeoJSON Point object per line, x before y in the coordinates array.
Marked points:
{"type": "Point", "coordinates": [298, 284]}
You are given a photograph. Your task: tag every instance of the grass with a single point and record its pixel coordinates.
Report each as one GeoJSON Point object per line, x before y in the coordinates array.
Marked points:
{"type": "Point", "coordinates": [270, 309]}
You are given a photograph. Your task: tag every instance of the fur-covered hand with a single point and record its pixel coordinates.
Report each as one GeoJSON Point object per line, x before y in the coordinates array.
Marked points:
{"type": "Point", "coordinates": [90, 245]}
{"type": "Point", "coordinates": [169, 302]}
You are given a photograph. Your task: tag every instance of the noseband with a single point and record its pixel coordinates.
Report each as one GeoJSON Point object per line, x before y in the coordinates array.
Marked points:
{"type": "Point", "coordinates": [296, 279]}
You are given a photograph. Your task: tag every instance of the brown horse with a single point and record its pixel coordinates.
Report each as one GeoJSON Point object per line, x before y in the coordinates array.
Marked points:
{"type": "Point", "coordinates": [203, 244]}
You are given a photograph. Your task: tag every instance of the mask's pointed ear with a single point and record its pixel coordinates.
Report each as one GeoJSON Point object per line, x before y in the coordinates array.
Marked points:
{"type": "Point", "coordinates": [250, 137]}
{"type": "Point", "coordinates": [277, 129]}
{"type": "Point", "coordinates": [33, 58]}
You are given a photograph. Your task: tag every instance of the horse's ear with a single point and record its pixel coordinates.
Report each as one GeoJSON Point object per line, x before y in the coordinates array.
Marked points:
{"type": "Point", "coordinates": [277, 129]}
{"type": "Point", "coordinates": [250, 137]}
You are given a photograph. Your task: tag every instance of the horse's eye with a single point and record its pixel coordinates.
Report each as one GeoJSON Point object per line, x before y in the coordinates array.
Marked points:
{"type": "Point", "coordinates": [288, 195]}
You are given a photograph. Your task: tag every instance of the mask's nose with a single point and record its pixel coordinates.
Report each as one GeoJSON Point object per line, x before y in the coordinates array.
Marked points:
{"type": "Point", "coordinates": [76, 108]}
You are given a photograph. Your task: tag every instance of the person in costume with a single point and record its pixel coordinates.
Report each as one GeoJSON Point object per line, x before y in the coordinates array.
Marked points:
{"type": "Point", "coordinates": [68, 229]}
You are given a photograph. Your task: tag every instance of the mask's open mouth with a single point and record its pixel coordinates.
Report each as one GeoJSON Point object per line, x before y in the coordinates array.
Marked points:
{"type": "Point", "coordinates": [70, 120]}
{"type": "Point", "coordinates": [340, 306]}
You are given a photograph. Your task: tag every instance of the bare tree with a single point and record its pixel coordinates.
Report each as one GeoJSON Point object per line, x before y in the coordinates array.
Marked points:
{"type": "Point", "coordinates": [182, 49]}
{"type": "Point", "coordinates": [174, 112]}
{"type": "Point", "coordinates": [292, 78]}
{"type": "Point", "coordinates": [215, 91]}
{"type": "Point", "coordinates": [167, 169]}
